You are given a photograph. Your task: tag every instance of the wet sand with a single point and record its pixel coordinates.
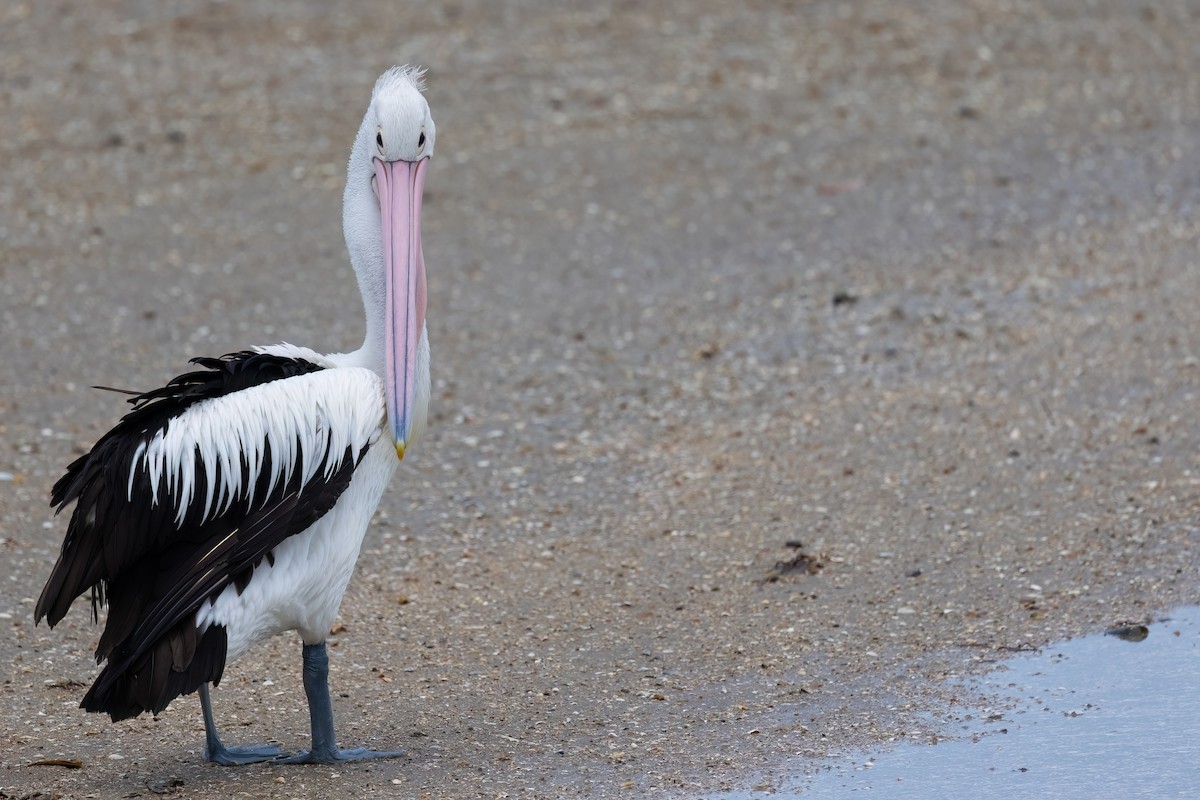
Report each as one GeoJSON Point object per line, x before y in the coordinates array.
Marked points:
{"type": "Point", "coordinates": [910, 286]}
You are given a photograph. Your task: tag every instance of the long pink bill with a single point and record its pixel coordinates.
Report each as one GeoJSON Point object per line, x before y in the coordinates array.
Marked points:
{"type": "Point", "coordinates": [401, 185]}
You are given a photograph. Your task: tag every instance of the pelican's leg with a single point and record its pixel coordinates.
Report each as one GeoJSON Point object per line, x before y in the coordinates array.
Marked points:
{"type": "Point", "coordinates": [320, 711]}
{"type": "Point", "coordinates": [229, 756]}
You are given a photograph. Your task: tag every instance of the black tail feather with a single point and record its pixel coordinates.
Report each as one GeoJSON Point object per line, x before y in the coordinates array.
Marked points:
{"type": "Point", "coordinates": [178, 663]}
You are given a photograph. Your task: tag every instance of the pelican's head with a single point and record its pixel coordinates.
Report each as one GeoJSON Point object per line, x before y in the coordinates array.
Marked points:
{"type": "Point", "coordinates": [383, 232]}
{"type": "Point", "coordinates": [404, 129]}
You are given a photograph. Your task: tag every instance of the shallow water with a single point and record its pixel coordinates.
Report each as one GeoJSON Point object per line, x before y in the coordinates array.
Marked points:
{"type": "Point", "coordinates": [1096, 717]}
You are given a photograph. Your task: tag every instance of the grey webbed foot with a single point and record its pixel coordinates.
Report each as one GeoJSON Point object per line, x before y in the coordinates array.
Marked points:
{"type": "Point", "coordinates": [243, 754]}
{"type": "Point", "coordinates": [320, 710]}
{"type": "Point", "coordinates": [337, 755]}
{"type": "Point", "coordinates": [218, 753]}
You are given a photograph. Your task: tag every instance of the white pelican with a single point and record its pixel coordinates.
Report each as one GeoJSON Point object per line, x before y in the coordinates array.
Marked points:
{"type": "Point", "coordinates": [230, 505]}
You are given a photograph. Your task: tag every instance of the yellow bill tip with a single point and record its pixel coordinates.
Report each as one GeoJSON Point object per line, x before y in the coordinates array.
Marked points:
{"type": "Point", "coordinates": [400, 450]}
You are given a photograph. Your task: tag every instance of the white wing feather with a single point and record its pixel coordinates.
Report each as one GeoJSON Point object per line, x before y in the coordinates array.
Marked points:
{"type": "Point", "coordinates": [303, 418]}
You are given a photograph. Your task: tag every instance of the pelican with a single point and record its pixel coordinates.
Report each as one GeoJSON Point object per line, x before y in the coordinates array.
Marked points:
{"type": "Point", "coordinates": [230, 505]}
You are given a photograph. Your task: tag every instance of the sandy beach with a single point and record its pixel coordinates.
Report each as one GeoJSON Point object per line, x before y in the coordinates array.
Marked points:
{"type": "Point", "coordinates": [788, 359]}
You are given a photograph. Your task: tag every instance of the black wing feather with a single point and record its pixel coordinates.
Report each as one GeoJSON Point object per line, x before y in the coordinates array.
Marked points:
{"type": "Point", "coordinates": [153, 574]}
{"type": "Point", "coordinates": [97, 480]}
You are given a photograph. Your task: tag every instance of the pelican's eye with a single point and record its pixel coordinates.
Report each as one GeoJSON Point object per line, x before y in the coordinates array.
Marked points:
{"type": "Point", "coordinates": [421, 141]}
{"type": "Point", "coordinates": [379, 140]}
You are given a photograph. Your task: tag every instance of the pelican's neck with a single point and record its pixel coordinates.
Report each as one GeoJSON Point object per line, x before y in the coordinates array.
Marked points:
{"type": "Point", "coordinates": [373, 351]}
{"type": "Point", "coordinates": [364, 241]}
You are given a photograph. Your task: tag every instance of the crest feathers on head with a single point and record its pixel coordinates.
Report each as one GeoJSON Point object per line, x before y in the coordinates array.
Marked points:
{"type": "Point", "coordinates": [396, 77]}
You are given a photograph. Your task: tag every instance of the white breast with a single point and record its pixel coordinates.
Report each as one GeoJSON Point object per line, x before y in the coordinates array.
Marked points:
{"type": "Point", "coordinates": [302, 590]}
